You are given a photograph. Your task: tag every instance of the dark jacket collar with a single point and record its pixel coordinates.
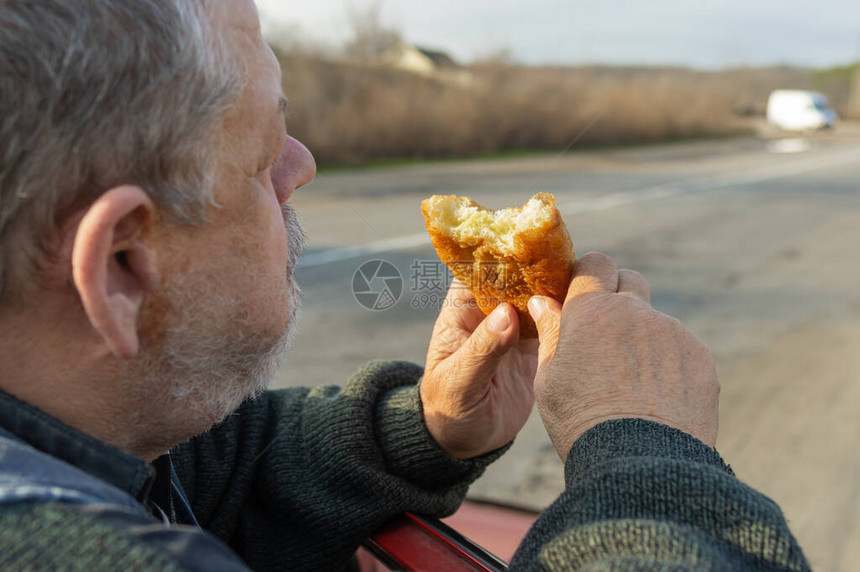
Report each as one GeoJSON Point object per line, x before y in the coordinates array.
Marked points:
{"type": "Point", "coordinates": [53, 437]}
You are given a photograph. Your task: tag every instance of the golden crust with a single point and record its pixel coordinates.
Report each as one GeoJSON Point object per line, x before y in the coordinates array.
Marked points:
{"type": "Point", "coordinates": [540, 261]}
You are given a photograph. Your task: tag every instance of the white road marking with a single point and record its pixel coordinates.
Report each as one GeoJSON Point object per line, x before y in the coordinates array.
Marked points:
{"type": "Point", "coordinates": [613, 200]}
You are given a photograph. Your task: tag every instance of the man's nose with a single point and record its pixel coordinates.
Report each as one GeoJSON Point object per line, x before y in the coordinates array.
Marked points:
{"type": "Point", "coordinates": [294, 168]}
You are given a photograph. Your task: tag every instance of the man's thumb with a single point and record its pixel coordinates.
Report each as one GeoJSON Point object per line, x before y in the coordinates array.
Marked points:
{"type": "Point", "coordinates": [546, 312]}
{"type": "Point", "coordinates": [480, 355]}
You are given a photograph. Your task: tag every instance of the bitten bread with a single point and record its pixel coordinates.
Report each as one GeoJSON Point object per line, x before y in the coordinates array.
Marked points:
{"type": "Point", "coordinates": [508, 255]}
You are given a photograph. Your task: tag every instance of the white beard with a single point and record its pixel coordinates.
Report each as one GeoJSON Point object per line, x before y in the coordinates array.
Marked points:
{"type": "Point", "coordinates": [195, 379]}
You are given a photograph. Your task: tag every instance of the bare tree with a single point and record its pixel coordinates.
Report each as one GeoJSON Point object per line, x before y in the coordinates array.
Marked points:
{"type": "Point", "coordinates": [370, 37]}
{"type": "Point", "coordinates": [501, 57]}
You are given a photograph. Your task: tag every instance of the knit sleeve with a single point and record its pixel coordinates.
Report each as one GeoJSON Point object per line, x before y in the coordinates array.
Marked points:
{"type": "Point", "coordinates": [643, 496]}
{"type": "Point", "coordinates": [298, 478]}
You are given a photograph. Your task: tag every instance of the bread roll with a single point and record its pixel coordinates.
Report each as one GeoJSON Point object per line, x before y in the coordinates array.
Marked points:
{"type": "Point", "coordinates": [508, 255]}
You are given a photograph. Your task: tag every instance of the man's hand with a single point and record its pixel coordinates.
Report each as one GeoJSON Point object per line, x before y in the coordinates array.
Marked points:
{"type": "Point", "coordinates": [607, 354]}
{"type": "Point", "coordinates": [477, 385]}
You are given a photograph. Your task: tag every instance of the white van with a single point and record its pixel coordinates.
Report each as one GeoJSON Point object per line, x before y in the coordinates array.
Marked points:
{"type": "Point", "coordinates": [797, 110]}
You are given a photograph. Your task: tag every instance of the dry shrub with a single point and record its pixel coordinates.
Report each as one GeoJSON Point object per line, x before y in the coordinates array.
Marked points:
{"type": "Point", "coordinates": [348, 113]}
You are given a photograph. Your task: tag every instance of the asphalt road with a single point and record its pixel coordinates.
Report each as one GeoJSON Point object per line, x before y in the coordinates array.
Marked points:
{"type": "Point", "coordinates": [753, 244]}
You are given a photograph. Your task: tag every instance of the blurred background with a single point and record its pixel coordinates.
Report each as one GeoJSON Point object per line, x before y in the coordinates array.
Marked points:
{"type": "Point", "coordinates": [657, 128]}
{"type": "Point", "coordinates": [402, 79]}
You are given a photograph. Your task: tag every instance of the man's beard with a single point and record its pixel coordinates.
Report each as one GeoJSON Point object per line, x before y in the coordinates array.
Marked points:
{"type": "Point", "coordinates": [201, 378]}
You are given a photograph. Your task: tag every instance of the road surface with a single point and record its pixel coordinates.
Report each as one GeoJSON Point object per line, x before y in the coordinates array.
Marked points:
{"type": "Point", "coordinates": [753, 244]}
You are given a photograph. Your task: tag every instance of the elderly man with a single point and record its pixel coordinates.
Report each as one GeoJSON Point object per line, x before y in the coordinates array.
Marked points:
{"type": "Point", "coordinates": [147, 292]}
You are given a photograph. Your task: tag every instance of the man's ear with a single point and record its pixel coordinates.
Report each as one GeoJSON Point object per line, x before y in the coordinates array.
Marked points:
{"type": "Point", "coordinates": [112, 268]}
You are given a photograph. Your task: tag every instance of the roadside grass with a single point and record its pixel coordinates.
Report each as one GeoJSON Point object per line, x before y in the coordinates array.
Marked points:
{"type": "Point", "coordinates": [513, 154]}
{"type": "Point", "coordinates": [350, 114]}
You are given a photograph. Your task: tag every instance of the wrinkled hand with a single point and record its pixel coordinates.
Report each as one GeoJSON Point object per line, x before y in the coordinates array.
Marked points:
{"type": "Point", "coordinates": [607, 354]}
{"type": "Point", "coordinates": [477, 385]}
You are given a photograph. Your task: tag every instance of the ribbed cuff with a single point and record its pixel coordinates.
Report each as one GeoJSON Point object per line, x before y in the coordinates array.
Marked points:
{"type": "Point", "coordinates": [412, 453]}
{"type": "Point", "coordinates": [626, 438]}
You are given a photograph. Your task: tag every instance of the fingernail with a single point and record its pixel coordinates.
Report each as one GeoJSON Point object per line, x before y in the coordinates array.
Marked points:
{"type": "Point", "coordinates": [499, 320]}
{"type": "Point", "coordinates": [537, 306]}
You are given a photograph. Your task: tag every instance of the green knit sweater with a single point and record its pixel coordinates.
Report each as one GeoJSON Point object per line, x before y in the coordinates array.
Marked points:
{"type": "Point", "coordinates": [298, 478]}
{"type": "Point", "coordinates": [644, 496]}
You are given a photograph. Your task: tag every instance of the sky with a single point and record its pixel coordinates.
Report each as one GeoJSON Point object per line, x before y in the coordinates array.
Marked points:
{"type": "Point", "coordinates": [707, 34]}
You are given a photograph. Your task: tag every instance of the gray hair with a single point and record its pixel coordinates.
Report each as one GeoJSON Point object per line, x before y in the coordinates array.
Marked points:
{"type": "Point", "coordinates": [100, 93]}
